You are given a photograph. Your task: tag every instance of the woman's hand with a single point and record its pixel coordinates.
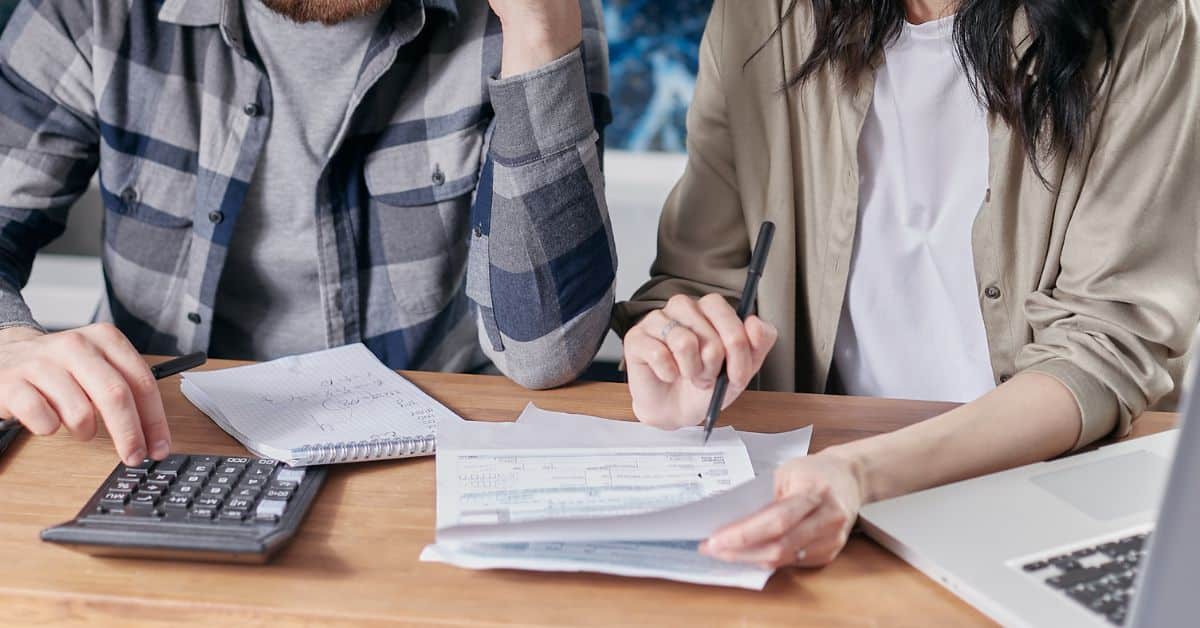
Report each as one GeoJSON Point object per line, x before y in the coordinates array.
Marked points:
{"type": "Point", "coordinates": [536, 32]}
{"type": "Point", "coordinates": [674, 356]}
{"type": "Point", "coordinates": [817, 499]}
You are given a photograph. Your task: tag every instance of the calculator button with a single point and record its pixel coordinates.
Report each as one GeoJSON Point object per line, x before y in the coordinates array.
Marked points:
{"type": "Point", "coordinates": [208, 501]}
{"type": "Point", "coordinates": [123, 486]}
{"type": "Point", "coordinates": [230, 469]}
{"type": "Point", "coordinates": [202, 513]}
{"type": "Point", "coordinates": [131, 476]}
{"type": "Point", "coordinates": [172, 464]}
{"type": "Point", "coordinates": [202, 469]}
{"type": "Point", "coordinates": [215, 491]}
{"type": "Point", "coordinates": [223, 480]}
{"type": "Point", "coordinates": [161, 478]}
{"type": "Point", "coordinates": [239, 460]}
{"type": "Point", "coordinates": [143, 504]}
{"type": "Point", "coordinates": [290, 475]}
{"type": "Point", "coordinates": [280, 494]}
{"type": "Point", "coordinates": [259, 472]}
{"type": "Point", "coordinates": [247, 492]}
{"type": "Point", "coordinates": [194, 478]}
{"type": "Point", "coordinates": [114, 499]}
{"type": "Point", "coordinates": [177, 501]}
{"type": "Point", "coordinates": [254, 482]}
{"type": "Point", "coordinates": [208, 460]}
{"type": "Point", "coordinates": [270, 510]}
{"type": "Point", "coordinates": [284, 485]}
{"type": "Point", "coordinates": [141, 469]}
{"type": "Point", "coordinates": [186, 489]}
{"type": "Point", "coordinates": [233, 516]}
{"type": "Point", "coordinates": [238, 503]}
{"type": "Point", "coordinates": [152, 489]}
{"type": "Point", "coordinates": [266, 462]}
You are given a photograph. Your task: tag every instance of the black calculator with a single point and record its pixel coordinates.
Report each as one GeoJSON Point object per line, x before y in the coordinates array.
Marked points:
{"type": "Point", "coordinates": [192, 507]}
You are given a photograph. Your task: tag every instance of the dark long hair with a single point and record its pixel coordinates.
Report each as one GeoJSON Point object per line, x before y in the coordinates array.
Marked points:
{"type": "Point", "coordinates": [1046, 92]}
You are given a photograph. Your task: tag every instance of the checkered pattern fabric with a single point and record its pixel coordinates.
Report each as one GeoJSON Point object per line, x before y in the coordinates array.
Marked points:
{"type": "Point", "coordinates": [459, 213]}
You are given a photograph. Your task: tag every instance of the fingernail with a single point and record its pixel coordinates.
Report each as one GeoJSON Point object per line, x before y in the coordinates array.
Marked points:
{"type": "Point", "coordinates": [160, 450]}
{"type": "Point", "coordinates": [136, 458]}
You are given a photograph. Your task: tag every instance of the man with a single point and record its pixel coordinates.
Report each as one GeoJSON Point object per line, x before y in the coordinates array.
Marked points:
{"type": "Point", "coordinates": [282, 176]}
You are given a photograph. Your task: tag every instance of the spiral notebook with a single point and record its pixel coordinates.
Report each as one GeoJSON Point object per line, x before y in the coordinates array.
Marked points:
{"type": "Point", "coordinates": [338, 405]}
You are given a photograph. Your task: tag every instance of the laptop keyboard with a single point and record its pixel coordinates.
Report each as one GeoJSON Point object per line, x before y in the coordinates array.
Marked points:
{"type": "Point", "coordinates": [1100, 577]}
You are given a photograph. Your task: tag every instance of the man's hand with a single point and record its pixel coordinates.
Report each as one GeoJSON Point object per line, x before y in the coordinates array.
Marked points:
{"type": "Point", "coordinates": [536, 32]}
{"type": "Point", "coordinates": [674, 357]}
{"type": "Point", "coordinates": [77, 378]}
{"type": "Point", "coordinates": [817, 499]}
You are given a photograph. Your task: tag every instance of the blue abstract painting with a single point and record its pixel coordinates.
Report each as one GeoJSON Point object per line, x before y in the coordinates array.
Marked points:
{"type": "Point", "coordinates": [654, 47]}
{"type": "Point", "coordinates": [654, 51]}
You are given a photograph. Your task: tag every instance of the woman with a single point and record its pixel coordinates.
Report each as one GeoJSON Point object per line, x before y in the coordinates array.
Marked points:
{"type": "Point", "coordinates": [987, 201]}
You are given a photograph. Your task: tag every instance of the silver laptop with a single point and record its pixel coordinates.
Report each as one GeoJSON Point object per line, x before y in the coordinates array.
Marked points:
{"type": "Point", "coordinates": [1067, 542]}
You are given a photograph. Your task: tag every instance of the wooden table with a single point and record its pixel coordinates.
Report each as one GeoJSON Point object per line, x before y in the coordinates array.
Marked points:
{"type": "Point", "coordinates": [354, 562]}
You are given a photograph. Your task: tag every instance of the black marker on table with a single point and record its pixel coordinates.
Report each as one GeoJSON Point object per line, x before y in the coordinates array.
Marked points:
{"type": "Point", "coordinates": [758, 261]}
{"type": "Point", "coordinates": [178, 365]}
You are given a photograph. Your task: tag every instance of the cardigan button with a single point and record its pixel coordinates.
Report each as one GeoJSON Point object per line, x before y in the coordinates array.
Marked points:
{"type": "Point", "coordinates": [992, 293]}
{"type": "Point", "coordinates": [194, 318]}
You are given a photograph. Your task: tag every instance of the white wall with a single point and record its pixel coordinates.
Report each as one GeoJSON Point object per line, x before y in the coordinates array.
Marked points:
{"type": "Point", "coordinates": [67, 284]}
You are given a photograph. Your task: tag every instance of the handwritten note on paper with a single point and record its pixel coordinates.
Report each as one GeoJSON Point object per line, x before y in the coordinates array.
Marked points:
{"type": "Point", "coordinates": [338, 395]}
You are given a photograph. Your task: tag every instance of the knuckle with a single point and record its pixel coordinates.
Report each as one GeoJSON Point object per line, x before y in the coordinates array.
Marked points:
{"type": "Point", "coordinates": [107, 331]}
{"type": "Point", "coordinates": [143, 382]}
{"type": "Point", "coordinates": [712, 353]}
{"type": "Point", "coordinates": [712, 298]}
{"type": "Point", "coordinates": [72, 342]}
{"type": "Point", "coordinates": [679, 301]}
{"type": "Point", "coordinates": [116, 396]}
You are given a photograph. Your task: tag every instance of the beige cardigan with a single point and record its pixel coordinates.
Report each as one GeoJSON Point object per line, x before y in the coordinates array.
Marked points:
{"type": "Point", "coordinates": [1096, 283]}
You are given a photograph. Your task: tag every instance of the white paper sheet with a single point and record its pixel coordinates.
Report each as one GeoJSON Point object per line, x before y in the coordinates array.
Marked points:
{"type": "Point", "coordinates": [767, 451]}
{"type": "Point", "coordinates": [338, 396]}
{"type": "Point", "coordinates": [557, 492]}
{"type": "Point", "coordinates": [669, 560]}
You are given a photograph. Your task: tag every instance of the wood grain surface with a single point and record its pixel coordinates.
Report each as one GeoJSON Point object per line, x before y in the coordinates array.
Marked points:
{"type": "Point", "coordinates": [354, 563]}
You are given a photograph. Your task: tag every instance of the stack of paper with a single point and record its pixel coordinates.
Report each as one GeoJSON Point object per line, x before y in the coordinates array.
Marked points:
{"type": "Point", "coordinates": [560, 492]}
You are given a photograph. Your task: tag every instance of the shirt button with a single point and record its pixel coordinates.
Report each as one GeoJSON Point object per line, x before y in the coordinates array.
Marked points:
{"type": "Point", "coordinates": [478, 231]}
{"type": "Point", "coordinates": [252, 109]}
{"type": "Point", "coordinates": [439, 177]}
{"type": "Point", "coordinates": [992, 293]}
{"type": "Point", "coordinates": [216, 217]}
{"type": "Point", "coordinates": [1004, 378]}
{"type": "Point", "coordinates": [194, 318]}
{"type": "Point", "coordinates": [129, 196]}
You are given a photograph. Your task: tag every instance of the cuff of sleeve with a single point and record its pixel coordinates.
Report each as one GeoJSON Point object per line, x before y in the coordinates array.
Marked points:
{"type": "Point", "coordinates": [1097, 403]}
{"type": "Point", "coordinates": [542, 112]}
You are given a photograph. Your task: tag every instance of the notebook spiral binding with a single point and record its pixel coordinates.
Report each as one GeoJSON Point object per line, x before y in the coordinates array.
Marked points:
{"type": "Point", "coordinates": [379, 449]}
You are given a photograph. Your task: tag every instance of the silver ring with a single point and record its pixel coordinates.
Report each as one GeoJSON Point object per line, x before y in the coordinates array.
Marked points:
{"type": "Point", "coordinates": [668, 328]}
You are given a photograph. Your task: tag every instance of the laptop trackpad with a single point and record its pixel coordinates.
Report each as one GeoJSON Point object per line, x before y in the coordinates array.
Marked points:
{"type": "Point", "coordinates": [1111, 488]}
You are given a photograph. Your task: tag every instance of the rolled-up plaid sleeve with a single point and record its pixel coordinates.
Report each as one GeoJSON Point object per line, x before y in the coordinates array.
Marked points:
{"type": "Point", "coordinates": [542, 262]}
{"type": "Point", "coordinates": [48, 137]}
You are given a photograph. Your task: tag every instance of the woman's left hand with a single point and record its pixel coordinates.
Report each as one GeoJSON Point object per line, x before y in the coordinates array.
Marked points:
{"type": "Point", "coordinates": [817, 499]}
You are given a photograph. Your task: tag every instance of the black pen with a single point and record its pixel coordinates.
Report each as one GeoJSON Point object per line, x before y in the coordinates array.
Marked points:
{"type": "Point", "coordinates": [758, 261]}
{"type": "Point", "coordinates": [9, 430]}
{"type": "Point", "coordinates": [178, 365]}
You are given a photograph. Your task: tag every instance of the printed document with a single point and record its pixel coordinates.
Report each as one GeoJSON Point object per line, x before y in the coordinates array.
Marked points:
{"type": "Point", "coordinates": [558, 492]}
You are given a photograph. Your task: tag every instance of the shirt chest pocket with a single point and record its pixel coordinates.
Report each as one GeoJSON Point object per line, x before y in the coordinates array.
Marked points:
{"type": "Point", "coordinates": [419, 216]}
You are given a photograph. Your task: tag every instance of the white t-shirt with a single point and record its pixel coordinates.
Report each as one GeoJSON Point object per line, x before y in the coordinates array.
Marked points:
{"type": "Point", "coordinates": [911, 325]}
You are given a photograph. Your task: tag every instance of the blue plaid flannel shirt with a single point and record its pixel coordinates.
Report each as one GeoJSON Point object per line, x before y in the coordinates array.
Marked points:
{"type": "Point", "coordinates": [461, 218]}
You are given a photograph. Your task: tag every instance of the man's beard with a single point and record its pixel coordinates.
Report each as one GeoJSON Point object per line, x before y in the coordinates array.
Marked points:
{"type": "Point", "coordinates": [325, 11]}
